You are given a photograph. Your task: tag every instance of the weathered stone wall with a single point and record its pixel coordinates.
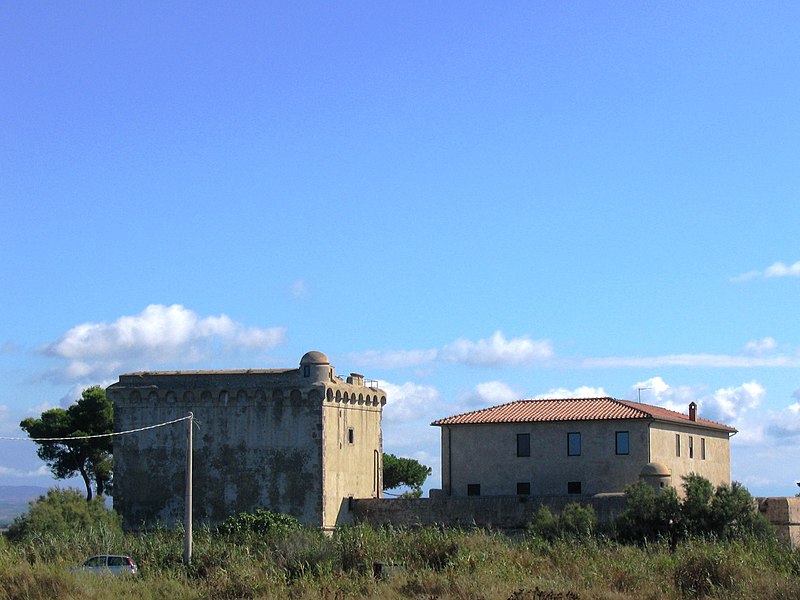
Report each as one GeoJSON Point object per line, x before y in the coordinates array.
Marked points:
{"type": "Point", "coordinates": [515, 512]}
{"type": "Point", "coordinates": [296, 441]}
{"type": "Point", "coordinates": [499, 512]}
{"type": "Point", "coordinates": [784, 514]}
{"type": "Point", "coordinates": [255, 445]}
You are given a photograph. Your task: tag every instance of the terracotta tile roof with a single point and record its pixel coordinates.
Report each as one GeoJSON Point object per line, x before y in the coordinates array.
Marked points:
{"type": "Point", "coordinates": [575, 409]}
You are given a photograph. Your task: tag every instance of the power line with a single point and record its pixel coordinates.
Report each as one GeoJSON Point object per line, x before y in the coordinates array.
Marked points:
{"type": "Point", "coordinates": [99, 435]}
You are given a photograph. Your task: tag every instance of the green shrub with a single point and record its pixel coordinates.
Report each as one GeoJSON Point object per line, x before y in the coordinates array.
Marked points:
{"type": "Point", "coordinates": [64, 512]}
{"type": "Point", "coordinates": [733, 514]}
{"type": "Point", "coordinates": [261, 522]}
{"type": "Point", "coordinates": [696, 518]}
{"type": "Point", "coordinates": [544, 523]}
{"type": "Point", "coordinates": [648, 515]}
{"type": "Point", "coordinates": [727, 512]}
{"type": "Point", "coordinates": [577, 520]}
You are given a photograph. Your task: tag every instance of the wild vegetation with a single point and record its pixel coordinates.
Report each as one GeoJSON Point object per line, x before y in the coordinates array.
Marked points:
{"type": "Point", "coordinates": [262, 555]}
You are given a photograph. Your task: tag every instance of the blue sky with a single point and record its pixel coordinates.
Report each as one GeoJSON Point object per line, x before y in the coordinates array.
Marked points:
{"type": "Point", "coordinates": [471, 203]}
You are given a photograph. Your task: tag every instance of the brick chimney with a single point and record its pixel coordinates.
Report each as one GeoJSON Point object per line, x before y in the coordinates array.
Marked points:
{"type": "Point", "coordinates": [692, 411]}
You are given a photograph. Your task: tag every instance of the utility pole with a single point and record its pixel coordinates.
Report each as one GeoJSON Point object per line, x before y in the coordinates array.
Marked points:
{"type": "Point", "coordinates": [187, 519]}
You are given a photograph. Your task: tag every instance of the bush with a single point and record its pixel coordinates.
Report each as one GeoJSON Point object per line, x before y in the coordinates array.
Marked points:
{"type": "Point", "coordinates": [727, 512]}
{"type": "Point", "coordinates": [648, 515]}
{"type": "Point", "coordinates": [261, 522]}
{"type": "Point", "coordinates": [734, 514]}
{"type": "Point", "coordinates": [577, 520]}
{"type": "Point", "coordinates": [574, 521]}
{"type": "Point", "coordinates": [544, 524]}
{"type": "Point", "coordinates": [64, 512]}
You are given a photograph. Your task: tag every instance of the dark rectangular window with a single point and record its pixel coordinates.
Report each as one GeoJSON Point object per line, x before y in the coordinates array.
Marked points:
{"type": "Point", "coordinates": [691, 447]}
{"type": "Point", "coordinates": [523, 444]}
{"type": "Point", "coordinates": [622, 442]}
{"type": "Point", "coordinates": [351, 436]}
{"type": "Point", "coordinates": [573, 444]}
{"type": "Point", "coordinates": [473, 489]}
{"type": "Point", "coordinates": [306, 371]}
{"type": "Point", "coordinates": [573, 487]}
{"type": "Point", "coordinates": [702, 448]}
{"type": "Point", "coordinates": [524, 488]}
{"type": "Point", "coordinates": [677, 444]}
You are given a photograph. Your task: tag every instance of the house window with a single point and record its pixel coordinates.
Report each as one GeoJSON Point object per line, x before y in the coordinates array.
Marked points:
{"type": "Point", "coordinates": [523, 444]}
{"type": "Point", "coordinates": [691, 447]}
{"type": "Point", "coordinates": [306, 371]}
{"type": "Point", "coordinates": [573, 487]}
{"type": "Point", "coordinates": [473, 489]}
{"type": "Point", "coordinates": [702, 448]}
{"type": "Point", "coordinates": [573, 444]}
{"type": "Point", "coordinates": [351, 435]}
{"type": "Point", "coordinates": [678, 444]}
{"type": "Point", "coordinates": [622, 442]}
{"type": "Point", "coordinates": [523, 488]}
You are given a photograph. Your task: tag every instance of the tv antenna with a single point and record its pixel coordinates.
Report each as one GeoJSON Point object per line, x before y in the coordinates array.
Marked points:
{"type": "Point", "coordinates": [639, 391]}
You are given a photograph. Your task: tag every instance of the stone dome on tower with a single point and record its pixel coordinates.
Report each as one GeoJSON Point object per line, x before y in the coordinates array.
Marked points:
{"type": "Point", "coordinates": [314, 358]}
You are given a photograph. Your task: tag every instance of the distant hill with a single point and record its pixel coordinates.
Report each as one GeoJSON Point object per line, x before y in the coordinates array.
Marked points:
{"type": "Point", "coordinates": [14, 500]}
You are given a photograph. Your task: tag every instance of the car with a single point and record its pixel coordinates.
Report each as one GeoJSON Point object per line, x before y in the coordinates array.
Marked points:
{"type": "Point", "coordinates": [114, 564]}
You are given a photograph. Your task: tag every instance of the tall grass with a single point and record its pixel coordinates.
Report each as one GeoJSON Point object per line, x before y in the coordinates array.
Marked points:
{"type": "Point", "coordinates": [423, 563]}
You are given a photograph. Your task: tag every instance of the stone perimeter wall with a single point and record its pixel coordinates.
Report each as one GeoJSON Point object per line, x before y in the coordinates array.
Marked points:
{"type": "Point", "coordinates": [497, 512]}
{"type": "Point", "coordinates": [515, 512]}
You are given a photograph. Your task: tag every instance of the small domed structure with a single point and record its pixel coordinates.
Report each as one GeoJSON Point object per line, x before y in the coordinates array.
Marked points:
{"type": "Point", "coordinates": [314, 358]}
{"type": "Point", "coordinates": [655, 469]}
{"type": "Point", "coordinates": [317, 367]}
{"type": "Point", "coordinates": [657, 475]}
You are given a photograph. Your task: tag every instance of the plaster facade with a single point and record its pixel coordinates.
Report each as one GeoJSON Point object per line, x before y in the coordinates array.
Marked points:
{"type": "Point", "coordinates": [577, 447]}
{"type": "Point", "coordinates": [486, 455]}
{"type": "Point", "coordinates": [301, 441]}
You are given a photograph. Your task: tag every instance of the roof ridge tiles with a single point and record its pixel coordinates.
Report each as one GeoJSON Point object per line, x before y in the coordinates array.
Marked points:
{"type": "Point", "coordinates": [573, 409]}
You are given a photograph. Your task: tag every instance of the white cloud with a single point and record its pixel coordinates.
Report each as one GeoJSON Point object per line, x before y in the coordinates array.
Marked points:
{"type": "Point", "coordinates": [299, 289]}
{"type": "Point", "coordinates": [777, 269]}
{"type": "Point", "coordinates": [409, 401]}
{"type": "Point", "coordinates": [730, 405]}
{"type": "Point", "coordinates": [42, 471]}
{"type": "Point", "coordinates": [760, 347]}
{"type": "Point", "coordinates": [495, 351]}
{"type": "Point", "coordinates": [583, 391]}
{"type": "Point", "coordinates": [693, 360]}
{"type": "Point", "coordinates": [393, 359]}
{"type": "Point", "coordinates": [484, 394]}
{"type": "Point", "coordinates": [158, 335]}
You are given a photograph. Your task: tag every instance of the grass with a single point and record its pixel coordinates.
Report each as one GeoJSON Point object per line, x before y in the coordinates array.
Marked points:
{"type": "Point", "coordinates": [425, 564]}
